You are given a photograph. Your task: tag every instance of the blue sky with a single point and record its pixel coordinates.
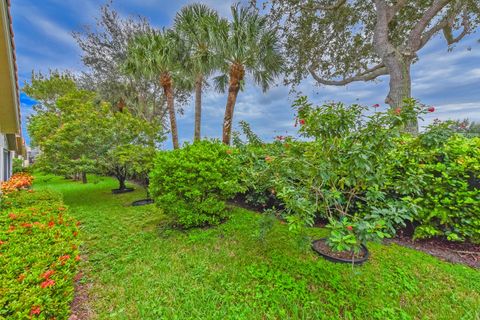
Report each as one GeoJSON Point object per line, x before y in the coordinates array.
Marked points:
{"type": "Point", "coordinates": [448, 80]}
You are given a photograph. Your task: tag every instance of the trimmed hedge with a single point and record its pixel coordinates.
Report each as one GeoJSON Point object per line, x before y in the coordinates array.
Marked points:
{"type": "Point", "coordinates": [192, 184]}
{"type": "Point", "coordinates": [38, 256]}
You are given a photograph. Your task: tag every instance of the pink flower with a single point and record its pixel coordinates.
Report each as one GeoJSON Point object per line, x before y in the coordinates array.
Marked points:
{"type": "Point", "coordinates": [302, 122]}
{"type": "Point", "coordinates": [350, 228]}
{"type": "Point", "coordinates": [376, 105]}
{"type": "Point", "coordinates": [431, 109]}
{"type": "Point", "coordinates": [397, 111]}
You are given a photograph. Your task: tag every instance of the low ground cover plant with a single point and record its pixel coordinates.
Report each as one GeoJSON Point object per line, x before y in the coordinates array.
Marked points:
{"type": "Point", "coordinates": [38, 256]}
{"type": "Point", "coordinates": [192, 184]}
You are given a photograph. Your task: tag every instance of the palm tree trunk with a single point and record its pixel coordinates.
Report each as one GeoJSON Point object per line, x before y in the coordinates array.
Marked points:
{"type": "Point", "coordinates": [166, 81]}
{"type": "Point", "coordinates": [198, 107]}
{"type": "Point", "coordinates": [228, 119]}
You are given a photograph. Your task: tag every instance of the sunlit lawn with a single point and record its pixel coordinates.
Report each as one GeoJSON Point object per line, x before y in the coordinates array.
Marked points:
{"type": "Point", "coordinates": [141, 271]}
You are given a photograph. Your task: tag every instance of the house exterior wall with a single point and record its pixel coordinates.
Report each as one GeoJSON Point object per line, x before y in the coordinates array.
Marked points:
{"type": "Point", "coordinates": [5, 159]}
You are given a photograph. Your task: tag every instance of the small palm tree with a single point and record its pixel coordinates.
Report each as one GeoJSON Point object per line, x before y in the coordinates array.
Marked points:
{"type": "Point", "coordinates": [159, 55]}
{"type": "Point", "coordinates": [246, 45]}
{"type": "Point", "coordinates": [196, 24]}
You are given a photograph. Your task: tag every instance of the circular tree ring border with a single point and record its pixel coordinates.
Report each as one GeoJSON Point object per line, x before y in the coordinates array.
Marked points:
{"type": "Point", "coordinates": [120, 191]}
{"type": "Point", "coordinates": [340, 260]}
{"type": "Point", "coordinates": [142, 202]}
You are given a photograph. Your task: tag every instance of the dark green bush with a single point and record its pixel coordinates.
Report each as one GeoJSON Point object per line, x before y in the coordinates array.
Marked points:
{"type": "Point", "coordinates": [192, 184]}
{"type": "Point", "coordinates": [444, 169]}
{"type": "Point", "coordinates": [38, 256]}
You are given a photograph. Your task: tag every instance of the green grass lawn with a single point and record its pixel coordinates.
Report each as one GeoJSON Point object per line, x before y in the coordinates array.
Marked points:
{"type": "Point", "coordinates": [140, 271]}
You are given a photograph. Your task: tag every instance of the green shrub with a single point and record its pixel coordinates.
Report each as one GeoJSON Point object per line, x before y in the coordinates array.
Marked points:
{"type": "Point", "coordinates": [38, 257]}
{"type": "Point", "coordinates": [17, 166]}
{"type": "Point", "coordinates": [30, 198]}
{"type": "Point", "coordinates": [192, 184]}
{"type": "Point", "coordinates": [444, 167]}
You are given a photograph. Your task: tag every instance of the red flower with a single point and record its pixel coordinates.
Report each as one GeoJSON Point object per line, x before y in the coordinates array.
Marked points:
{"type": "Point", "coordinates": [35, 310]}
{"type": "Point", "coordinates": [61, 208]}
{"type": "Point", "coordinates": [397, 111]}
{"type": "Point", "coordinates": [48, 274]}
{"type": "Point", "coordinates": [11, 228]}
{"type": "Point", "coordinates": [21, 277]}
{"type": "Point", "coordinates": [51, 224]}
{"type": "Point", "coordinates": [376, 105]}
{"type": "Point", "coordinates": [12, 216]}
{"type": "Point", "coordinates": [77, 223]}
{"type": "Point", "coordinates": [268, 159]}
{"type": "Point", "coordinates": [75, 233]}
{"type": "Point", "coordinates": [350, 228]}
{"type": "Point", "coordinates": [77, 258]}
{"type": "Point", "coordinates": [2, 242]}
{"type": "Point", "coordinates": [47, 283]}
{"type": "Point", "coordinates": [27, 225]}
{"type": "Point", "coordinates": [302, 122]}
{"type": "Point", "coordinates": [431, 109]}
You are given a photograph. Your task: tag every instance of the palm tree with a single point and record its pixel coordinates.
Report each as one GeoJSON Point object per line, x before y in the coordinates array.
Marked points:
{"type": "Point", "coordinates": [246, 45]}
{"type": "Point", "coordinates": [196, 25]}
{"type": "Point", "coordinates": [159, 55]}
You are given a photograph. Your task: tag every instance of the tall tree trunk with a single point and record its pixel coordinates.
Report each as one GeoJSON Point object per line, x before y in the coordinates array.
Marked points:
{"type": "Point", "coordinates": [198, 107]}
{"type": "Point", "coordinates": [166, 82]}
{"type": "Point", "coordinates": [84, 177]}
{"type": "Point", "coordinates": [397, 62]}
{"type": "Point", "coordinates": [237, 73]}
{"type": "Point", "coordinates": [400, 85]}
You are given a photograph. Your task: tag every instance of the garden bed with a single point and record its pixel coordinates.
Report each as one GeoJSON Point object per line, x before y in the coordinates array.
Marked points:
{"type": "Point", "coordinates": [38, 256]}
{"type": "Point", "coordinates": [456, 252]}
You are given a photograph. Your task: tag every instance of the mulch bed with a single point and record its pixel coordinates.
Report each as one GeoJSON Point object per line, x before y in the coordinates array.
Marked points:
{"type": "Point", "coordinates": [347, 255]}
{"type": "Point", "coordinates": [456, 252]}
{"type": "Point", "coordinates": [80, 304]}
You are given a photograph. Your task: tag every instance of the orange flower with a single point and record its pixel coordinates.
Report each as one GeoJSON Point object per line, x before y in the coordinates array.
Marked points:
{"type": "Point", "coordinates": [64, 258]}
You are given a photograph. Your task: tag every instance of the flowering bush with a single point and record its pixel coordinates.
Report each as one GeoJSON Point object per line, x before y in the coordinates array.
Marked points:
{"type": "Point", "coordinates": [192, 184]}
{"type": "Point", "coordinates": [18, 181]}
{"type": "Point", "coordinates": [38, 256]}
{"type": "Point", "coordinates": [254, 157]}
{"type": "Point", "coordinates": [341, 172]}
